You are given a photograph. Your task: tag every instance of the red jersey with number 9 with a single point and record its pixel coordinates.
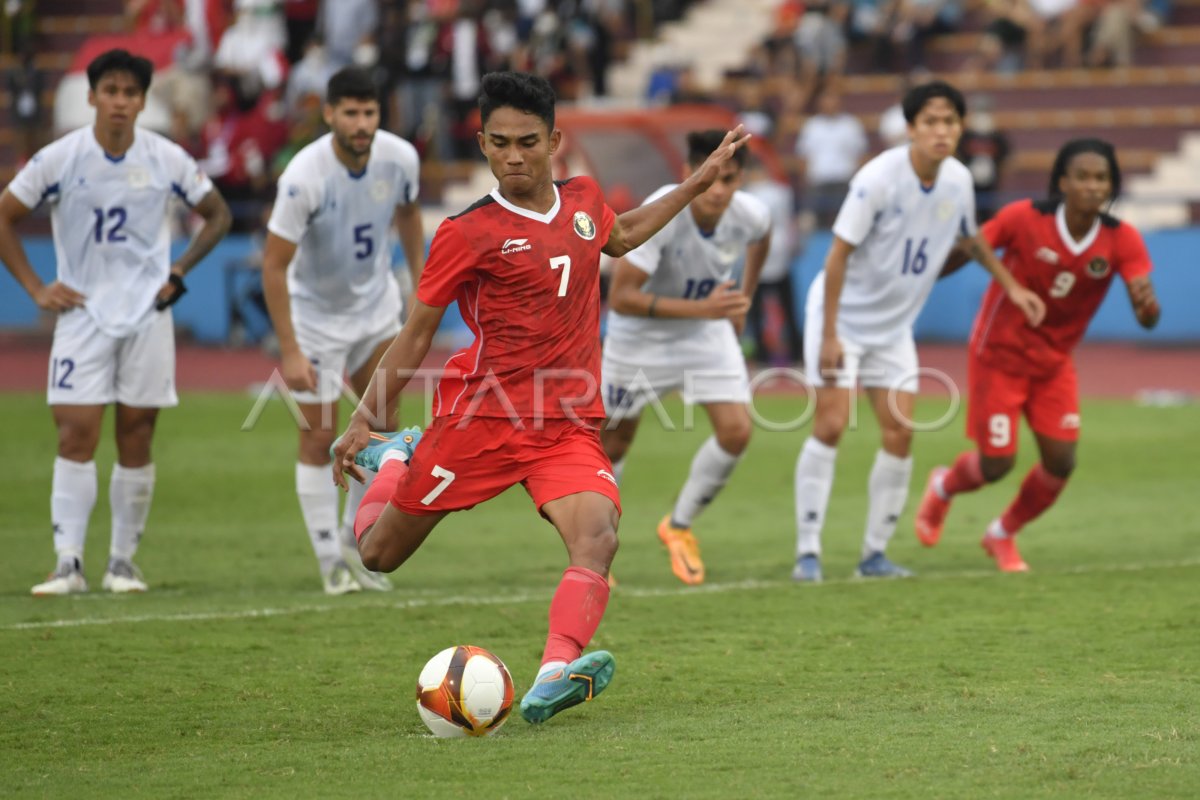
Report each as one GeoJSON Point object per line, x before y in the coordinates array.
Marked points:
{"type": "Point", "coordinates": [528, 287]}
{"type": "Point", "coordinates": [1072, 277]}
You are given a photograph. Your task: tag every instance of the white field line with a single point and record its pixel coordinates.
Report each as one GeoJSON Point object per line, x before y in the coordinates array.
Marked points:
{"type": "Point", "coordinates": [542, 597]}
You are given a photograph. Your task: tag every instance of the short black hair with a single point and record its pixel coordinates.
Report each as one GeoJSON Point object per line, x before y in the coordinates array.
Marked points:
{"type": "Point", "coordinates": [1076, 147]}
{"type": "Point", "coordinates": [701, 145]}
{"type": "Point", "coordinates": [120, 61]}
{"type": "Point", "coordinates": [532, 94]}
{"type": "Point", "coordinates": [916, 98]}
{"type": "Point", "coordinates": [353, 82]}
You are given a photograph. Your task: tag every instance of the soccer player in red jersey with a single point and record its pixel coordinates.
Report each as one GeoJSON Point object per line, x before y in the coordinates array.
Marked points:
{"type": "Point", "coordinates": [521, 403]}
{"type": "Point", "coordinates": [1067, 250]}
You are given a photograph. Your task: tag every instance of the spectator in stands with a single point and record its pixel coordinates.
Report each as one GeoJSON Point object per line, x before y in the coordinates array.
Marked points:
{"type": "Point", "coordinates": [253, 45]}
{"type": "Point", "coordinates": [309, 75]}
{"type": "Point", "coordinates": [1004, 36]}
{"type": "Point", "coordinates": [829, 149]}
{"type": "Point", "coordinates": [25, 83]}
{"type": "Point", "coordinates": [300, 19]}
{"type": "Point", "coordinates": [821, 42]}
{"type": "Point", "coordinates": [984, 150]}
{"type": "Point", "coordinates": [1114, 27]}
{"type": "Point", "coordinates": [914, 22]}
{"type": "Point", "coordinates": [349, 31]}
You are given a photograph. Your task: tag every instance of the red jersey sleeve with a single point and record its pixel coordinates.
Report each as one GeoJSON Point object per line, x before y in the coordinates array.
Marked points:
{"type": "Point", "coordinates": [999, 230]}
{"type": "Point", "coordinates": [451, 263]}
{"type": "Point", "coordinates": [1133, 260]}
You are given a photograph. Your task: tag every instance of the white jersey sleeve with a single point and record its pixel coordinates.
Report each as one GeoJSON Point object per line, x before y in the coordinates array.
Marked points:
{"type": "Point", "coordinates": [188, 181]}
{"type": "Point", "coordinates": [39, 180]}
{"type": "Point", "coordinates": [861, 208]}
{"type": "Point", "coordinates": [297, 199]}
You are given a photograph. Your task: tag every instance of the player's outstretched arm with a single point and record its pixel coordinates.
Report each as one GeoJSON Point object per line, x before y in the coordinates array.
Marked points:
{"type": "Point", "coordinates": [298, 372]}
{"type": "Point", "coordinates": [1144, 301]}
{"type": "Point", "coordinates": [56, 296]}
{"type": "Point", "coordinates": [625, 296]}
{"type": "Point", "coordinates": [1030, 304]}
{"type": "Point", "coordinates": [399, 363]}
{"type": "Point", "coordinates": [634, 227]}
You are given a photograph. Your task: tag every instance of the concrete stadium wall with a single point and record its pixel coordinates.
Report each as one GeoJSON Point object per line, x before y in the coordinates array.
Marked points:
{"type": "Point", "coordinates": [951, 310]}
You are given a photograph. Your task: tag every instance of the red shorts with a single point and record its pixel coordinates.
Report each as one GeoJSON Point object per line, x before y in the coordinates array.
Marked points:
{"type": "Point", "coordinates": [463, 461]}
{"type": "Point", "coordinates": [997, 399]}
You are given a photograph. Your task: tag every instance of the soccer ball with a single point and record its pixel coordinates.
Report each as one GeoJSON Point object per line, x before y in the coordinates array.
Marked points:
{"type": "Point", "coordinates": [464, 691]}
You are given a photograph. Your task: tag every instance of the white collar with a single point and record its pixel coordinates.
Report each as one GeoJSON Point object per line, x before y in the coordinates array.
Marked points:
{"type": "Point", "coordinates": [546, 218]}
{"type": "Point", "coordinates": [1064, 233]}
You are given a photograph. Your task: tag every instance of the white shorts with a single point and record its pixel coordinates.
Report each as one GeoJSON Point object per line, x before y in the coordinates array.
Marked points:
{"type": "Point", "coordinates": [702, 375]}
{"type": "Point", "coordinates": [340, 346]}
{"type": "Point", "coordinates": [890, 366]}
{"type": "Point", "coordinates": [90, 368]}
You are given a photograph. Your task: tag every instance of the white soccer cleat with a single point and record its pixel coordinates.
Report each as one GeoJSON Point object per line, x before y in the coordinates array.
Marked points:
{"type": "Point", "coordinates": [371, 581]}
{"type": "Point", "coordinates": [122, 577]}
{"type": "Point", "coordinates": [67, 579]}
{"type": "Point", "coordinates": [340, 580]}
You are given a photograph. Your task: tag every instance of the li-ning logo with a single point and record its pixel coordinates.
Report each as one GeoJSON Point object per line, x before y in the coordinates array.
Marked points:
{"type": "Point", "coordinates": [514, 246]}
{"type": "Point", "coordinates": [1046, 254]}
{"type": "Point", "coordinates": [608, 476]}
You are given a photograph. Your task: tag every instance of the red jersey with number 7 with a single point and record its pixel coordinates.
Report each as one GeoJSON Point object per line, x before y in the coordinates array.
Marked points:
{"type": "Point", "coordinates": [528, 287]}
{"type": "Point", "coordinates": [1072, 277]}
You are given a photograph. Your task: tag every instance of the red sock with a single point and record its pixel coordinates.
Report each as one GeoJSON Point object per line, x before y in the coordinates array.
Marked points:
{"type": "Point", "coordinates": [575, 614]}
{"type": "Point", "coordinates": [964, 476]}
{"type": "Point", "coordinates": [1038, 492]}
{"type": "Point", "coordinates": [378, 495]}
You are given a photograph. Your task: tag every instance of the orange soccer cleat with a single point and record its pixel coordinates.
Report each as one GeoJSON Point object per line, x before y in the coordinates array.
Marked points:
{"type": "Point", "coordinates": [1004, 553]}
{"type": "Point", "coordinates": [931, 514]}
{"type": "Point", "coordinates": [684, 550]}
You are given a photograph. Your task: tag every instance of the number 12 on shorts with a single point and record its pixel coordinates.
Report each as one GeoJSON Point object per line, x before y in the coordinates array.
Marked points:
{"type": "Point", "coordinates": [447, 478]}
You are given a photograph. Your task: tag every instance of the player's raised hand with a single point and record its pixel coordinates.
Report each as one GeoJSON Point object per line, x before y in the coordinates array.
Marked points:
{"type": "Point", "coordinates": [711, 168]}
{"type": "Point", "coordinates": [347, 446]}
{"type": "Point", "coordinates": [58, 296]}
{"type": "Point", "coordinates": [299, 373]}
{"type": "Point", "coordinates": [830, 360]}
{"type": "Point", "coordinates": [725, 302]}
{"type": "Point", "coordinates": [1030, 304]}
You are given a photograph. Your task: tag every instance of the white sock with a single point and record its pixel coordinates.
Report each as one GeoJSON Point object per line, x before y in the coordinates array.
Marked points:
{"type": "Point", "coordinates": [319, 505]}
{"type": "Point", "coordinates": [354, 496]}
{"type": "Point", "coordinates": [618, 470]}
{"type": "Point", "coordinates": [72, 497]}
{"type": "Point", "coordinates": [814, 482]}
{"type": "Point", "coordinates": [129, 493]}
{"type": "Point", "coordinates": [711, 468]}
{"type": "Point", "coordinates": [887, 491]}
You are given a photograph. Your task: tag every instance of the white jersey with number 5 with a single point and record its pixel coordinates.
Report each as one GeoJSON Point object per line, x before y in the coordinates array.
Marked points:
{"type": "Point", "coordinates": [683, 261]}
{"type": "Point", "coordinates": [902, 232]}
{"type": "Point", "coordinates": [342, 221]}
{"type": "Point", "coordinates": [109, 216]}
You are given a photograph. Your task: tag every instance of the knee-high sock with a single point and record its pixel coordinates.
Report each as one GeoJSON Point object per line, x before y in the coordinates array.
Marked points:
{"type": "Point", "coordinates": [1038, 492]}
{"type": "Point", "coordinates": [887, 490]}
{"type": "Point", "coordinates": [377, 495]}
{"type": "Point", "coordinates": [965, 475]}
{"type": "Point", "coordinates": [319, 505]}
{"type": "Point", "coordinates": [72, 497]}
{"type": "Point", "coordinates": [129, 492]}
{"type": "Point", "coordinates": [354, 497]}
{"type": "Point", "coordinates": [575, 613]}
{"type": "Point", "coordinates": [814, 482]}
{"type": "Point", "coordinates": [711, 468]}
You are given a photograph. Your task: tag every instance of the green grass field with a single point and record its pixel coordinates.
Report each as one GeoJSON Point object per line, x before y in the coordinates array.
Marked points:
{"type": "Point", "coordinates": [236, 677]}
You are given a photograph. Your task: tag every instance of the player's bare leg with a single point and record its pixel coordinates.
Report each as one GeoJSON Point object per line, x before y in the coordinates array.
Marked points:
{"type": "Point", "coordinates": [394, 536]}
{"type": "Point", "coordinates": [814, 478]}
{"type": "Point", "coordinates": [887, 488]}
{"type": "Point", "coordinates": [711, 467]}
{"type": "Point", "coordinates": [587, 523]}
{"type": "Point", "coordinates": [130, 492]}
{"type": "Point", "coordinates": [72, 494]}
{"type": "Point", "coordinates": [385, 420]}
{"type": "Point", "coordinates": [1040, 488]}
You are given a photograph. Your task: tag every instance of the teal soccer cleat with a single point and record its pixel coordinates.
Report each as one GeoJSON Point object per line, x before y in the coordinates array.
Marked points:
{"type": "Point", "coordinates": [382, 443]}
{"type": "Point", "coordinates": [576, 683]}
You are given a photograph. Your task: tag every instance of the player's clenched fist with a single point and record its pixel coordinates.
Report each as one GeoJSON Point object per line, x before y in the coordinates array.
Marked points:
{"type": "Point", "coordinates": [725, 302]}
{"type": "Point", "coordinates": [1032, 306]}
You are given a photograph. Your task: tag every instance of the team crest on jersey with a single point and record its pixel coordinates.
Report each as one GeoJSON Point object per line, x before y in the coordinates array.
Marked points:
{"type": "Point", "coordinates": [138, 177]}
{"type": "Point", "coordinates": [945, 210]}
{"type": "Point", "coordinates": [584, 226]}
{"type": "Point", "coordinates": [379, 191]}
{"type": "Point", "coordinates": [1098, 267]}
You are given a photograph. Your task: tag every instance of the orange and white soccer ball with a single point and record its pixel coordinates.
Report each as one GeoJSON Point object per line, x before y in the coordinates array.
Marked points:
{"type": "Point", "coordinates": [464, 691]}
